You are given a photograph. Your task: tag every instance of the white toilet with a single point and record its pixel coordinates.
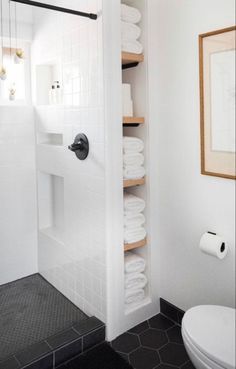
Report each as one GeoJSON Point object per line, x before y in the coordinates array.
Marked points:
{"type": "Point", "coordinates": [209, 336]}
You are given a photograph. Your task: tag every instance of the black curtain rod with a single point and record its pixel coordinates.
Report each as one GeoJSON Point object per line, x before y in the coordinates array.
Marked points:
{"type": "Point", "coordinates": [56, 8]}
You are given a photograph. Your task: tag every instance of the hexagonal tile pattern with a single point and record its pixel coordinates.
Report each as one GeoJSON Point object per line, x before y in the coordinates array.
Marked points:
{"type": "Point", "coordinates": [160, 322]}
{"type": "Point", "coordinates": [144, 358]}
{"type": "Point", "coordinates": [126, 343]}
{"type": "Point", "coordinates": [173, 354]}
{"type": "Point", "coordinates": [140, 328]}
{"type": "Point", "coordinates": [154, 344]}
{"type": "Point", "coordinates": [174, 335]}
{"type": "Point", "coordinates": [153, 338]}
{"type": "Point", "coordinates": [188, 365]}
{"type": "Point", "coordinates": [165, 366]}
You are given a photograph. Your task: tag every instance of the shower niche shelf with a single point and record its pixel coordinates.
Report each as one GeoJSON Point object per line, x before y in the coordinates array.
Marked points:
{"type": "Point", "coordinates": [135, 245]}
{"type": "Point", "coordinates": [54, 139]}
{"type": "Point", "coordinates": [51, 205]}
{"type": "Point", "coordinates": [46, 75]}
{"type": "Point", "coordinates": [130, 60]}
{"type": "Point", "coordinates": [134, 182]}
{"type": "Point", "coordinates": [133, 121]}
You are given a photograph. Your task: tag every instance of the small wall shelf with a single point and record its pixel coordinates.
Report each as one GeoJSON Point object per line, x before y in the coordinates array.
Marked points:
{"type": "Point", "coordinates": [136, 245]}
{"type": "Point", "coordinates": [133, 121]}
{"type": "Point", "coordinates": [133, 182]}
{"type": "Point", "coordinates": [130, 60]}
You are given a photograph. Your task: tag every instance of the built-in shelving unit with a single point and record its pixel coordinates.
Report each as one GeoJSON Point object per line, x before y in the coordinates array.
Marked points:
{"type": "Point", "coordinates": [130, 60]}
{"type": "Point", "coordinates": [133, 121]}
{"type": "Point", "coordinates": [135, 245]}
{"type": "Point", "coordinates": [133, 182]}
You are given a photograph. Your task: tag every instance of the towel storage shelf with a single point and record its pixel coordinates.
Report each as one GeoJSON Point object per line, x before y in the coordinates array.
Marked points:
{"type": "Point", "coordinates": [133, 182]}
{"type": "Point", "coordinates": [130, 60]}
{"type": "Point", "coordinates": [136, 245]}
{"type": "Point", "coordinates": [133, 121]}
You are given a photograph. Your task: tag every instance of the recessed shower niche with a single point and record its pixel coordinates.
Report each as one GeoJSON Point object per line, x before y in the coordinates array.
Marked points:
{"type": "Point", "coordinates": [51, 205]}
{"type": "Point", "coordinates": [48, 76]}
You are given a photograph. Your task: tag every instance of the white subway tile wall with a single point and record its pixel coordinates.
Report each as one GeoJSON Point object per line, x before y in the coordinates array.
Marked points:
{"type": "Point", "coordinates": [73, 258]}
{"type": "Point", "coordinates": [18, 236]}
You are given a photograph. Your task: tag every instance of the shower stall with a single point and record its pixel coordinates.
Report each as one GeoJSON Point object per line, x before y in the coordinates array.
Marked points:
{"type": "Point", "coordinates": [61, 186]}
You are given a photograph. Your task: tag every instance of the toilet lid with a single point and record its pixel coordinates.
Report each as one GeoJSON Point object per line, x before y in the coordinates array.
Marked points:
{"type": "Point", "coordinates": [212, 330]}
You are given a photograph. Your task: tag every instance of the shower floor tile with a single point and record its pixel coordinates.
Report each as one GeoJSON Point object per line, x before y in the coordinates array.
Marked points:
{"type": "Point", "coordinates": [154, 344]}
{"type": "Point", "coordinates": [31, 310]}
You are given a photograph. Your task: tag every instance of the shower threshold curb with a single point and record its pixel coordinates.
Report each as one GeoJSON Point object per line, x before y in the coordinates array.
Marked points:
{"type": "Point", "coordinates": [59, 348]}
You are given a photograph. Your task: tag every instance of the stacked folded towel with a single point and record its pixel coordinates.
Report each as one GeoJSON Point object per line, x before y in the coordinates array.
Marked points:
{"type": "Point", "coordinates": [133, 218]}
{"type": "Point", "coordinates": [133, 158]}
{"type": "Point", "coordinates": [130, 32]}
{"type": "Point", "coordinates": [135, 280]}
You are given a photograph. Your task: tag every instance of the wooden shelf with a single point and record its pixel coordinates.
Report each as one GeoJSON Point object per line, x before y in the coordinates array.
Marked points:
{"type": "Point", "coordinates": [133, 182]}
{"type": "Point", "coordinates": [128, 58]}
{"type": "Point", "coordinates": [136, 245]}
{"type": "Point", "coordinates": [133, 121]}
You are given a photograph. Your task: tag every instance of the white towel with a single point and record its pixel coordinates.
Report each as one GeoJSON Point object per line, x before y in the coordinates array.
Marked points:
{"type": "Point", "coordinates": [133, 221]}
{"type": "Point", "coordinates": [136, 159]}
{"type": "Point", "coordinates": [134, 263]}
{"type": "Point", "coordinates": [135, 280]}
{"type": "Point", "coordinates": [132, 144]}
{"type": "Point", "coordinates": [133, 172]}
{"type": "Point", "coordinates": [130, 14]}
{"type": "Point", "coordinates": [132, 46]}
{"type": "Point", "coordinates": [134, 295]}
{"type": "Point", "coordinates": [132, 235]}
{"type": "Point", "coordinates": [130, 31]}
{"type": "Point", "coordinates": [133, 204]}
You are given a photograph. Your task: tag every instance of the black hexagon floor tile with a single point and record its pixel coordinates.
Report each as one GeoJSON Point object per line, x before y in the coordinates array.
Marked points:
{"type": "Point", "coordinates": [175, 335]}
{"type": "Point", "coordinates": [160, 322]}
{"type": "Point", "coordinates": [174, 354]}
{"type": "Point", "coordinates": [126, 343]}
{"type": "Point", "coordinates": [165, 366]}
{"type": "Point", "coordinates": [153, 338]}
{"type": "Point", "coordinates": [140, 328]}
{"type": "Point", "coordinates": [188, 365]}
{"type": "Point", "coordinates": [154, 344]}
{"type": "Point", "coordinates": [144, 358]}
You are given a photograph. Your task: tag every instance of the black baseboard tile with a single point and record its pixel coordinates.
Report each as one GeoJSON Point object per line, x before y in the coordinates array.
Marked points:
{"type": "Point", "coordinates": [171, 311]}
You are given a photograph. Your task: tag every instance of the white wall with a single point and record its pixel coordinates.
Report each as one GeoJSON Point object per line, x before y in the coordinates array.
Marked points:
{"type": "Point", "coordinates": [186, 203]}
{"type": "Point", "coordinates": [18, 236]}
{"type": "Point", "coordinates": [24, 21]}
{"type": "Point", "coordinates": [72, 254]}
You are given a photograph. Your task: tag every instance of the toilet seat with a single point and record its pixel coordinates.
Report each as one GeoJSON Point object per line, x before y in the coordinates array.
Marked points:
{"type": "Point", "coordinates": [210, 331]}
{"type": "Point", "coordinates": [198, 358]}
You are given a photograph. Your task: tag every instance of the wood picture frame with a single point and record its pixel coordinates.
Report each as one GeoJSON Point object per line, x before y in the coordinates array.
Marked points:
{"type": "Point", "coordinates": [217, 102]}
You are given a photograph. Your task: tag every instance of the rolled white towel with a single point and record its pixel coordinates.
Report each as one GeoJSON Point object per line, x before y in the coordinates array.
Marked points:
{"type": "Point", "coordinates": [133, 172]}
{"type": "Point", "coordinates": [130, 31]}
{"type": "Point", "coordinates": [133, 295]}
{"type": "Point", "coordinates": [132, 145]}
{"type": "Point", "coordinates": [130, 14]}
{"type": "Point", "coordinates": [133, 235]}
{"type": "Point", "coordinates": [135, 280]}
{"type": "Point", "coordinates": [133, 204]}
{"type": "Point", "coordinates": [134, 263]}
{"type": "Point", "coordinates": [132, 46]}
{"type": "Point", "coordinates": [133, 159]}
{"type": "Point", "coordinates": [133, 221]}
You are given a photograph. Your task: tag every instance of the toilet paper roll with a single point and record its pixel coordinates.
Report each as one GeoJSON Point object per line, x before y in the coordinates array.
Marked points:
{"type": "Point", "coordinates": [212, 244]}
